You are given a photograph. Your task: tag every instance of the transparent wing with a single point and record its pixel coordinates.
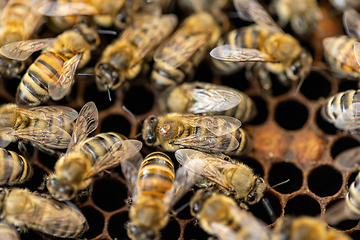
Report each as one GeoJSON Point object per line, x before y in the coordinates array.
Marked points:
{"type": "Point", "coordinates": [209, 142]}
{"type": "Point", "coordinates": [179, 48]}
{"type": "Point", "coordinates": [33, 21]}
{"type": "Point", "coordinates": [130, 168]}
{"type": "Point", "coordinates": [217, 125]}
{"type": "Point", "coordinates": [86, 123]}
{"type": "Point", "coordinates": [252, 10]}
{"type": "Point", "coordinates": [158, 29]}
{"type": "Point", "coordinates": [213, 100]}
{"type": "Point", "coordinates": [351, 19]}
{"type": "Point", "coordinates": [4, 140]}
{"type": "Point", "coordinates": [54, 115]}
{"type": "Point", "coordinates": [62, 9]}
{"type": "Point", "coordinates": [349, 158]}
{"type": "Point", "coordinates": [184, 180]}
{"type": "Point", "coordinates": [52, 137]}
{"type": "Point", "coordinates": [119, 152]}
{"type": "Point", "coordinates": [349, 119]}
{"type": "Point", "coordinates": [21, 50]}
{"type": "Point", "coordinates": [62, 81]}
{"type": "Point", "coordinates": [204, 165]}
{"type": "Point", "coordinates": [232, 53]}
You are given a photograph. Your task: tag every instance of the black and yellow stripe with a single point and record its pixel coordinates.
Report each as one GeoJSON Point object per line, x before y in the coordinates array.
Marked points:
{"type": "Point", "coordinates": [14, 169]}
{"type": "Point", "coordinates": [8, 232]}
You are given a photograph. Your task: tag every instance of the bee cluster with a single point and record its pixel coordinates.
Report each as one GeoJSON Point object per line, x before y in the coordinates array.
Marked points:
{"type": "Point", "coordinates": [100, 107]}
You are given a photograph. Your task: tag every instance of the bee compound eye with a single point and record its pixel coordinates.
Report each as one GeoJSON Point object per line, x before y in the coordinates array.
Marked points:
{"type": "Point", "coordinates": [197, 207]}
{"type": "Point", "coordinates": [54, 183]}
{"type": "Point", "coordinates": [251, 197]}
{"type": "Point", "coordinates": [134, 229]}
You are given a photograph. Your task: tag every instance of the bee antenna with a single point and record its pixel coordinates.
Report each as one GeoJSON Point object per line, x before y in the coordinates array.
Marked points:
{"type": "Point", "coordinates": [108, 89]}
{"type": "Point", "coordinates": [138, 135]}
{"type": "Point", "coordinates": [131, 114]}
{"type": "Point", "coordinates": [299, 85]}
{"type": "Point", "coordinates": [108, 32]}
{"type": "Point", "coordinates": [276, 185]}
{"type": "Point", "coordinates": [174, 213]}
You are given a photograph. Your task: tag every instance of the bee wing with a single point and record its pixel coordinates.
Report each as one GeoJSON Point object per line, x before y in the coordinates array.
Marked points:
{"type": "Point", "coordinates": [349, 119]}
{"type": "Point", "coordinates": [130, 168]}
{"type": "Point", "coordinates": [21, 50]}
{"type": "Point", "coordinates": [119, 152]}
{"type": "Point", "coordinates": [54, 115]}
{"type": "Point", "coordinates": [184, 180]}
{"type": "Point", "coordinates": [232, 53]}
{"type": "Point", "coordinates": [204, 165]}
{"type": "Point", "coordinates": [209, 142]}
{"type": "Point", "coordinates": [252, 10]}
{"type": "Point", "coordinates": [33, 21]}
{"type": "Point", "coordinates": [160, 28]}
{"type": "Point", "coordinates": [179, 48]}
{"type": "Point", "coordinates": [213, 100]}
{"type": "Point", "coordinates": [351, 19]}
{"type": "Point", "coordinates": [52, 137]}
{"type": "Point", "coordinates": [62, 9]}
{"type": "Point", "coordinates": [62, 81]}
{"type": "Point", "coordinates": [349, 158]}
{"type": "Point", "coordinates": [86, 123]}
{"type": "Point", "coordinates": [217, 125]}
{"type": "Point", "coordinates": [4, 142]}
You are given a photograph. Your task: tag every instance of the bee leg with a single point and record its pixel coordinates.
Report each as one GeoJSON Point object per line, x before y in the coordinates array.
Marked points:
{"type": "Point", "coordinates": [48, 150]}
{"type": "Point", "coordinates": [22, 148]}
{"type": "Point", "coordinates": [265, 80]}
{"type": "Point", "coordinates": [283, 79]}
{"type": "Point", "coordinates": [248, 71]}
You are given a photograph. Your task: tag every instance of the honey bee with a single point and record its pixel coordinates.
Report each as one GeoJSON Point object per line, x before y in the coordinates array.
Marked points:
{"type": "Point", "coordinates": [176, 59]}
{"type": "Point", "coordinates": [303, 16]}
{"type": "Point", "coordinates": [53, 72]}
{"type": "Point", "coordinates": [155, 190]}
{"type": "Point", "coordinates": [174, 131]}
{"type": "Point", "coordinates": [19, 20]}
{"type": "Point", "coordinates": [343, 110]}
{"type": "Point", "coordinates": [15, 169]}
{"type": "Point", "coordinates": [341, 52]}
{"type": "Point", "coordinates": [219, 215]}
{"type": "Point", "coordinates": [8, 232]}
{"type": "Point", "coordinates": [264, 43]}
{"type": "Point", "coordinates": [44, 127]}
{"type": "Point", "coordinates": [25, 209]}
{"type": "Point", "coordinates": [87, 157]}
{"type": "Point", "coordinates": [198, 97]}
{"type": "Point", "coordinates": [122, 60]}
{"type": "Point", "coordinates": [219, 175]}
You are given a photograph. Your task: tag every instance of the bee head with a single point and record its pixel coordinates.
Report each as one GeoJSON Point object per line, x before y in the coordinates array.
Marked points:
{"type": "Point", "coordinates": [301, 67]}
{"type": "Point", "coordinates": [149, 130]}
{"type": "Point", "coordinates": [257, 192]}
{"type": "Point", "coordinates": [307, 21]}
{"type": "Point", "coordinates": [141, 233]}
{"type": "Point", "coordinates": [89, 34]}
{"type": "Point", "coordinates": [197, 201]}
{"type": "Point", "coordinates": [106, 77]}
{"type": "Point", "coordinates": [59, 190]}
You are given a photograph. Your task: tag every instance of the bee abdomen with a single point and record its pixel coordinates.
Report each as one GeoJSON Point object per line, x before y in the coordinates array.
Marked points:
{"type": "Point", "coordinates": [156, 175]}
{"type": "Point", "coordinates": [244, 142]}
{"type": "Point", "coordinates": [8, 232]}
{"type": "Point", "coordinates": [352, 208]}
{"type": "Point", "coordinates": [14, 169]}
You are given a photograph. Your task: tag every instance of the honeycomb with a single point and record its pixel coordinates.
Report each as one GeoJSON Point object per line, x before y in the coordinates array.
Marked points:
{"type": "Point", "coordinates": [290, 141]}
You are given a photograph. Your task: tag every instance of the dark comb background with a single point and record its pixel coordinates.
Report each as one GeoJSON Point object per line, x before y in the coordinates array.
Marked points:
{"type": "Point", "coordinates": [290, 141]}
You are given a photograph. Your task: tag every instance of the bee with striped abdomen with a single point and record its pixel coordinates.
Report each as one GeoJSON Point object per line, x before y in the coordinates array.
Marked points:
{"type": "Point", "coordinates": [174, 131]}
{"type": "Point", "coordinates": [87, 157]}
{"type": "Point", "coordinates": [176, 59]}
{"type": "Point", "coordinates": [14, 168]}
{"type": "Point", "coordinates": [53, 72]}
{"type": "Point", "coordinates": [8, 232]}
{"type": "Point", "coordinates": [45, 127]}
{"type": "Point", "coordinates": [219, 215]}
{"type": "Point", "coordinates": [155, 189]}
{"type": "Point", "coordinates": [265, 44]}
{"type": "Point", "coordinates": [25, 209]}
{"type": "Point", "coordinates": [209, 99]}
{"type": "Point", "coordinates": [224, 176]}
{"type": "Point", "coordinates": [122, 60]}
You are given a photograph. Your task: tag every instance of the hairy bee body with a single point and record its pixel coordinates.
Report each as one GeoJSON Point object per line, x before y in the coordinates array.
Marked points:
{"type": "Point", "coordinates": [184, 38]}
{"type": "Point", "coordinates": [33, 88]}
{"type": "Point", "coordinates": [14, 169]}
{"type": "Point", "coordinates": [25, 209]}
{"type": "Point", "coordinates": [8, 232]}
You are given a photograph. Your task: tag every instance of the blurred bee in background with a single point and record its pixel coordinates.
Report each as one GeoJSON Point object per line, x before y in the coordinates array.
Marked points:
{"type": "Point", "coordinates": [343, 110]}
{"type": "Point", "coordinates": [155, 189]}
{"type": "Point", "coordinates": [19, 20]}
{"type": "Point", "coordinates": [15, 169]}
{"type": "Point", "coordinates": [25, 209]}
{"type": "Point", "coordinates": [344, 4]}
{"type": "Point", "coordinates": [342, 52]}
{"type": "Point", "coordinates": [265, 46]}
{"type": "Point", "coordinates": [219, 215]}
{"type": "Point", "coordinates": [176, 59]}
{"type": "Point", "coordinates": [207, 98]}
{"type": "Point", "coordinates": [86, 158]}
{"type": "Point", "coordinates": [122, 60]}
{"type": "Point", "coordinates": [8, 232]}
{"type": "Point", "coordinates": [53, 72]}
{"type": "Point", "coordinates": [303, 16]}
{"type": "Point", "coordinates": [223, 176]}
{"type": "Point", "coordinates": [45, 127]}
{"type": "Point", "coordinates": [174, 131]}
